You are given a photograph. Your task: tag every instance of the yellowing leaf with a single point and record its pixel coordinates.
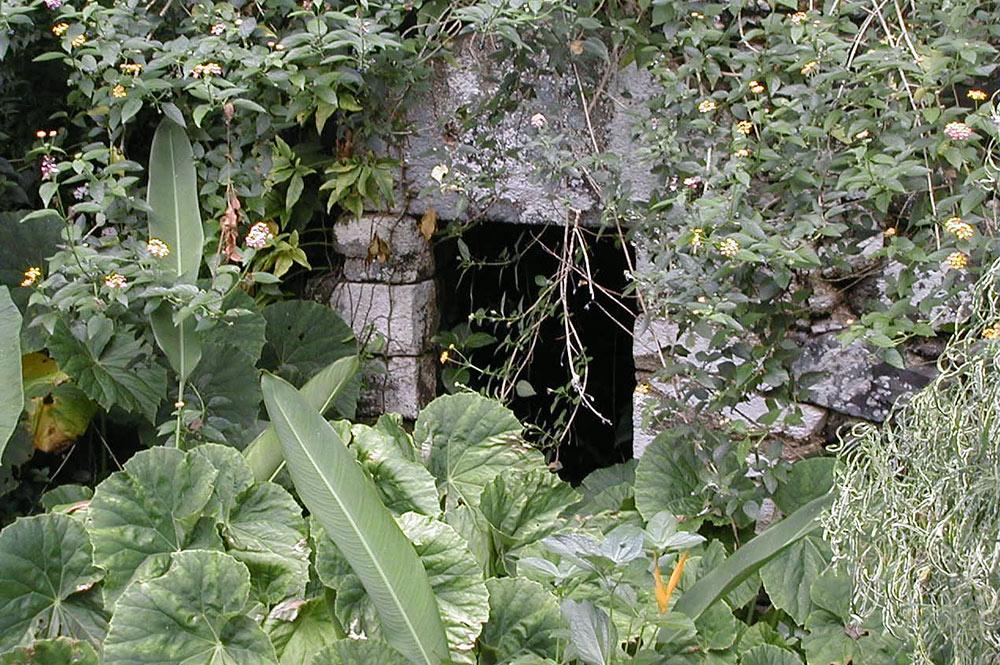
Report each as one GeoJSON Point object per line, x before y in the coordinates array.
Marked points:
{"type": "Point", "coordinates": [428, 223]}
{"type": "Point", "coordinates": [378, 250]}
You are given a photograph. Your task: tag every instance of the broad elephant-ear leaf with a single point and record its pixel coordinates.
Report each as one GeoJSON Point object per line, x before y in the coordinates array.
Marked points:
{"type": "Point", "coordinates": [322, 392]}
{"type": "Point", "coordinates": [298, 629]}
{"type": "Point", "coordinates": [467, 440]}
{"type": "Point", "coordinates": [303, 337]}
{"type": "Point", "coordinates": [359, 652]}
{"type": "Point", "coordinates": [192, 614]}
{"type": "Point", "coordinates": [173, 197]}
{"type": "Point", "coordinates": [142, 514]}
{"type": "Point", "coordinates": [340, 496]}
{"type": "Point", "coordinates": [524, 619]}
{"type": "Point", "coordinates": [46, 573]}
{"type": "Point", "coordinates": [11, 391]}
{"type": "Point", "coordinates": [58, 651]}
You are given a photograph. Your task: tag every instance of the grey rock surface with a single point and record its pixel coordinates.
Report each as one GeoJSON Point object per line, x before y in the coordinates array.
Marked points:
{"type": "Point", "coordinates": [400, 384]}
{"type": "Point", "coordinates": [408, 256]}
{"type": "Point", "coordinates": [851, 380]}
{"type": "Point", "coordinates": [405, 315]}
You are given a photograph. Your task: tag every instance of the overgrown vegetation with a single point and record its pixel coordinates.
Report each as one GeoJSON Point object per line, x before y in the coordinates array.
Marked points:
{"type": "Point", "coordinates": [175, 188]}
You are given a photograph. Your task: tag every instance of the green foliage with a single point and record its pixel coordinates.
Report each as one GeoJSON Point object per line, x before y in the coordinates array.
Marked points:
{"type": "Point", "coordinates": [11, 392]}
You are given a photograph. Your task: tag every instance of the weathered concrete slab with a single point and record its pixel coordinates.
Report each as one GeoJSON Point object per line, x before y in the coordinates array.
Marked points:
{"type": "Point", "coordinates": [399, 384]}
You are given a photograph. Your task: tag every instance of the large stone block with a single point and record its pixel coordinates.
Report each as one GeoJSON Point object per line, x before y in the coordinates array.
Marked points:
{"type": "Point", "coordinates": [399, 384]}
{"type": "Point", "coordinates": [383, 248]}
{"type": "Point", "coordinates": [851, 380]}
{"type": "Point", "coordinates": [405, 315]}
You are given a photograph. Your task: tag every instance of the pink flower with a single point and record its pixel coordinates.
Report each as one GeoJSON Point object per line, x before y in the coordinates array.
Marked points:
{"type": "Point", "coordinates": [958, 131]}
{"type": "Point", "coordinates": [48, 167]}
{"type": "Point", "coordinates": [259, 235]}
{"type": "Point", "coordinates": [53, 4]}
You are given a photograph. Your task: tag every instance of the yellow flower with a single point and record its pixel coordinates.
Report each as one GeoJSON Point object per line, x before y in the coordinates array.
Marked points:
{"type": "Point", "coordinates": [643, 388]}
{"type": "Point", "coordinates": [729, 247]}
{"type": "Point", "coordinates": [958, 260]}
{"type": "Point", "coordinates": [962, 229]}
{"type": "Point", "coordinates": [445, 356]}
{"type": "Point", "coordinates": [742, 152]}
{"type": "Point", "coordinates": [992, 331]}
{"type": "Point", "coordinates": [118, 91]}
{"type": "Point", "coordinates": [115, 281]}
{"type": "Point", "coordinates": [31, 276]}
{"type": "Point", "coordinates": [78, 41]}
{"type": "Point", "coordinates": [707, 106]}
{"type": "Point", "coordinates": [59, 29]}
{"type": "Point", "coordinates": [977, 95]}
{"type": "Point", "coordinates": [130, 68]}
{"type": "Point", "coordinates": [799, 17]}
{"type": "Point", "coordinates": [756, 87]}
{"type": "Point", "coordinates": [889, 232]}
{"type": "Point", "coordinates": [157, 248]}
{"type": "Point", "coordinates": [809, 67]}
{"type": "Point", "coordinates": [744, 127]}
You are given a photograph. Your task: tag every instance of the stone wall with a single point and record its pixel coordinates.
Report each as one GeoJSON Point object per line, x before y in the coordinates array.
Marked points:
{"type": "Point", "coordinates": [388, 289]}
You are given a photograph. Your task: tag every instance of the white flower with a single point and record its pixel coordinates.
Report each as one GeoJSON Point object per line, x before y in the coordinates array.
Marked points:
{"type": "Point", "coordinates": [538, 120]}
{"type": "Point", "coordinates": [439, 172]}
{"type": "Point", "coordinates": [259, 235]}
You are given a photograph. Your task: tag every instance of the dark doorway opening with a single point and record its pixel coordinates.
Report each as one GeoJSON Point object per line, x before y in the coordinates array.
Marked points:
{"type": "Point", "coordinates": [495, 269]}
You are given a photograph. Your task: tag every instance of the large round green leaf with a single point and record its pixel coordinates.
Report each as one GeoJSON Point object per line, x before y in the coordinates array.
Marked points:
{"type": "Point", "coordinates": [789, 576]}
{"type": "Point", "coordinates": [359, 652]}
{"type": "Point", "coordinates": [766, 654]}
{"type": "Point", "coordinates": [46, 569]}
{"type": "Point", "coordinates": [524, 618]}
{"type": "Point", "coordinates": [58, 651]}
{"type": "Point", "coordinates": [299, 633]}
{"type": "Point", "coordinates": [227, 388]}
{"type": "Point", "coordinates": [193, 614]}
{"type": "Point", "coordinates": [234, 475]}
{"type": "Point", "coordinates": [666, 477]}
{"type": "Point", "coordinates": [143, 513]}
{"type": "Point", "coordinates": [403, 484]}
{"type": "Point", "coordinates": [266, 532]}
{"type": "Point", "coordinates": [303, 337]}
{"type": "Point", "coordinates": [467, 440]}
{"type": "Point", "coordinates": [524, 507]}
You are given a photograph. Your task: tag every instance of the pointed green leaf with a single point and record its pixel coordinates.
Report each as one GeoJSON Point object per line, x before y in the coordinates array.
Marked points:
{"type": "Point", "coordinates": [749, 558]}
{"type": "Point", "coordinates": [46, 569]}
{"type": "Point", "coordinates": [143, 513]}
{"type": "Point", "coordinates": [58, 651]}
{"type": "Point", "coordinates": [180, 343]}
{"type": "Point", "coordinates": [359, 652]}
{"type": "Point", "coordinates": [321, 392]}
{"type": "Point", "coordinates": [11, 392]}
{"type": "Point", "coordinates": [591, 634]}
{"type": "Point", "coordinates": [338, 493]}
{"type": "Point", "coordinates": [524, 618]}
{"type": "Point", "coordinates": [173, 198]}
{"type": "Point", "coordinates": [467, 440]}
{"type": "Point", "coordinates": [193, 614]}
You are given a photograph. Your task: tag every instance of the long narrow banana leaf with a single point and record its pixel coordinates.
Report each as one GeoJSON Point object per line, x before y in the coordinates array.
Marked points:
{"type": "Point", "coordinates": [337, 492]}
{"type": "Point", "coordinates": [725, 577]}
{"type": "Point", "coordinates": [11, 391]}
{"type": "Point", "coordinates": [264, 454]}
{"type": "Point", "coordinates": [173, 197]}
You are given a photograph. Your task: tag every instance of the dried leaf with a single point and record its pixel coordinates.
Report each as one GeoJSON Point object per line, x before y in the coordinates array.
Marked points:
{"type": "Point", "coordinates": [429, 223]}
{"type": "Point", "coordinates": [378, 250]}
{"type": "Point", "coordinates": [229, 229]}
